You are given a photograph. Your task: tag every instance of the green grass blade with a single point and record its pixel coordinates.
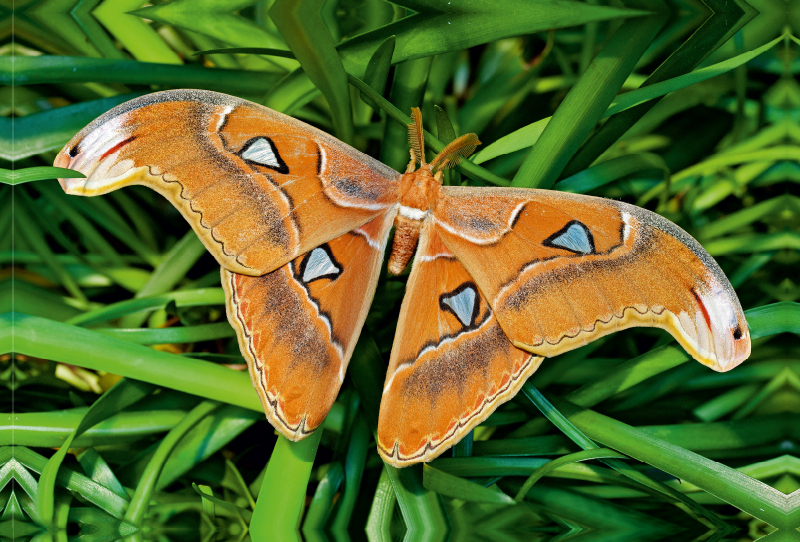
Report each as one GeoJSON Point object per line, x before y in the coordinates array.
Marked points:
{"type": "Point", "coordinates": [408, 89]}
{"type": "Point", "coordinates": [467, 167]}
{"type": "Point", "coordinates": [182, 298]}
{"type": "Point", "coordinates": [320, 508]}
{"type": "Point", "coordinates": [575, 434]}
{"type": "Point", "coordinates": [138, 37]}
{"type": "Point", "coordinates": [51, 130]}
{"type": "Point", "coordinates": [173, 335]}
{"type": "Point", "coordinates": [147, 484]}
{"type": "Point", "coordinates": [304, 31]}
{"type": "Point", "coordinates": [172, 269]}
{"type": "Point", "coordinates": [354, 470]}
{"type": "Point", "coordinates": [60, 342]}
{"type": "Point", "coordinates": [755, 498]}
{"type": "Point", "coordinates": [123, 394]}
{"type": "Point", "coordinates": [421, 508]}
{"type": "Point", "coordinates": [458, 488]}
{"type": "Point", "coordinates": [31, 174]}
{"type": "Point", "coordinates": [71, 69]}
{"type": "Point", "coordinates": [218, 19]}
{"type": "Point", "coordinates": [587, 101]}
{"type": "Point", "coordinates": [611, 170]}
{"type": "Point", "coordinates": [283, 492]}
{"type": "Point", "coordinates": [726, 18]}
{"type": "Point", "coordinates": [585, 455]}
{"type": "Point", "coordinates": [377, 72]}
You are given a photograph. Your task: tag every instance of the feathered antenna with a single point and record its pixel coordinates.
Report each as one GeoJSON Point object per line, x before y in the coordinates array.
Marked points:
{"type": "Point", "coordinates": [454, 152]}
{"type": "Point", "coordinates": [416, 137]}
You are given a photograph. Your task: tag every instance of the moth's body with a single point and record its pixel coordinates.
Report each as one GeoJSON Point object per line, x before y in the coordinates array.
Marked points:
{"type": "Point", "coordinates": [299, 222]}
{"type": "Point", "coordinates": [419, 192]}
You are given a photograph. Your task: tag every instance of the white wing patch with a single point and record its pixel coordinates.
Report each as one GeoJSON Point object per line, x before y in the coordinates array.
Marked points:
{"type": "Point", "coordinates": [462, 304]}
{"type": "Point", "coordinates": [574, 238]}
{"type": "Point", "coordinates": [263, 152]}
{"type": "Point", "coordinates": [319, 264]}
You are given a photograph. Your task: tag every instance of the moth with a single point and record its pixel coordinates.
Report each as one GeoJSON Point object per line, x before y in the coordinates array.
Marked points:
{"type": "Point", "coordinates": [502, 277]}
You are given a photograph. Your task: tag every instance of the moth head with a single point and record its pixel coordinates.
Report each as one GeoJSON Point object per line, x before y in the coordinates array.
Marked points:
{"type": "Point", "coordinates": [458, 149]}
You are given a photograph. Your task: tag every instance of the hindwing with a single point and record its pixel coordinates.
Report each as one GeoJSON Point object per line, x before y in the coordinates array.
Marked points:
{"type": "Point", "coordinates": [298, 325]}
{"type": "Point", "coordinates": [451, 364]}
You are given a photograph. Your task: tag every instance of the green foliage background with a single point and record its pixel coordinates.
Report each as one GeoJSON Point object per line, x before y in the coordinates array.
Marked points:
{"type": "Point", "coordinates": [118, 354]}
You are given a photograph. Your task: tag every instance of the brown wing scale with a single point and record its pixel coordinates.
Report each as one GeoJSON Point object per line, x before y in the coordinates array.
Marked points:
{"type": "Point", "coordinates": [451, 364]}
{"type": "Point", "coordinates": [258, 187]}
{"type": "Point", "coordinates": [298, 325]}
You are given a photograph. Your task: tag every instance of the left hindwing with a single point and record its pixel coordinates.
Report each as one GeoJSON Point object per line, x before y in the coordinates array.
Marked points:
{"type": "Point", "coordinates": [561, 270]}
{"type": "Point", "coordinates": [298, 325]}
{"type": "Point", "coordinates": [451, 364]}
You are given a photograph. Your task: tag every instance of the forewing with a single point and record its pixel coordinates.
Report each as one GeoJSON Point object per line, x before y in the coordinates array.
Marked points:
{"type": "Point", "coordinates": [297, 326]}
{"type": "Point", "coordinates": [451, 363]}
{"type": "Point", "coordinates": [258, 187]}
{"type": "Point", "coordinates": [561, 270]}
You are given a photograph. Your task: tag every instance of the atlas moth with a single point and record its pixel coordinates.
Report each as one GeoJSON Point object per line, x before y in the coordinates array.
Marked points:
{"type": "Point", "coordinates": [502, 277]}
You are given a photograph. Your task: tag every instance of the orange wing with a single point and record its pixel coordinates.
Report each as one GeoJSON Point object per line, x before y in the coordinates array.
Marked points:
{"type": "Point", "coordinates": [258, 187]}
{"type": "Point", "coordinates": [451, 363]}
{"type": "Point", "coordinates": [298, 325]}
{"type": "Point", "coordinates": [561, 270]}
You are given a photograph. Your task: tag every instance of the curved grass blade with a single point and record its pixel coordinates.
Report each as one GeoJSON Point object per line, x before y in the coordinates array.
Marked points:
{"type": "Point", "coordinates": [467, 167]}
{"type": "Point", "coordinates": [585, 455]}
{"type": "Point", "coordinates": [422, 511]}
{"type": "Point", "coordinates": [688, 505]}
{"type": "Point", "coordinates": [51, 130]}
{"type": "Point", "coordinates": [377, 72]}
{"type": "Point", "coordinates": [147, 483]}
{"type": "Point", "coordinates": [173, 335]}
{"type": "Point", "coordinates": [124, 393]}
{"type": "Point", "coordinates": [355, 461]}
{"type": "Point", "coordinates": [530, 134]}
{"type": "Point", "coordinates": [138, 37]}
{"type": "Point", "coordinates": [725, 20]}
{"type": "Point", "coordinates": [732, 486]}
{"type": "Point", "coordinates": [71, 69]}
{"type": "Point", "coordinates": [408, 89]}
{"type": "Point", "coordinates": [218, 20]}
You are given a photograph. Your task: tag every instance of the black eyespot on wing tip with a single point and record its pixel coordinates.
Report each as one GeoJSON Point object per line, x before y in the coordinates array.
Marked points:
{"type": "Point", "coordinates": [73, 152]}
{"type": "Point", "coordinates": [737, 333]}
